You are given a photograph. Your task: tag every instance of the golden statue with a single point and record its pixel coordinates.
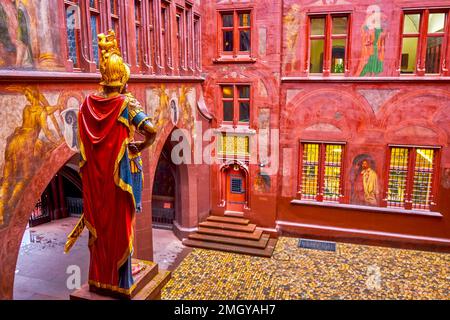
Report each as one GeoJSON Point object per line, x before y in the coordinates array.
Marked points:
{"type": "Point", "coordinates": [24, 148]}
{"type": "Point", "coordinates": [111, 171]}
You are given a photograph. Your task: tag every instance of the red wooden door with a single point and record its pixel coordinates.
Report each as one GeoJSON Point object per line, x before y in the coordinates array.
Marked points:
{"type": "Point", "coordinates": [236, 190]}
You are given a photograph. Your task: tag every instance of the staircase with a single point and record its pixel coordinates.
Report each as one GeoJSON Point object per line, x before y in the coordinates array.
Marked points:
{"type": "Point", "coordinates": [232, 234]}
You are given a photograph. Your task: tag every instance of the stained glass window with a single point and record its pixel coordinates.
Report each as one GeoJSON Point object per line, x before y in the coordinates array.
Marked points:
{"type": "Point", "coordinates": [233, 145]}
{"type": "Point", "coordinates": [411, 177]}
{"type": "Point", "coordinates": [321, 171]}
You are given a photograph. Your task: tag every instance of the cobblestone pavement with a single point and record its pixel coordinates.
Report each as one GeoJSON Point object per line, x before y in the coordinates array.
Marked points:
{"type": "Point", "coordinates": [352, 272]}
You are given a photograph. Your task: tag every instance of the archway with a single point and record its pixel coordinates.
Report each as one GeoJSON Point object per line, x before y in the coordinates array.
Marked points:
{"type": "Point", "coordinates": [173, 205]}
{"type": "Point", "coordinates": [11, 234]}
{"type": "Point", "coordinates": [41, 265]}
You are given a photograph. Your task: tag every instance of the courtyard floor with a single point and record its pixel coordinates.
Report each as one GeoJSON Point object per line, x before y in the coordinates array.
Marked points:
{"type": "Point", "coordinates": [42, 265]}
{"type": "Point", "coordinates": [352, 272]}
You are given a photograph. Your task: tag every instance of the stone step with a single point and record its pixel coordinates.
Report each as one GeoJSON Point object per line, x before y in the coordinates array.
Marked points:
{"type": "Point", "coordinates": [152, 291]}
{"type": "Point", "coordinates": [261, 243]}
{"type": "Point", "coordinates": [255, 235]}
{"type": "Point", "coordinates": [266, 252]}
{"type": "Point", "coordinates": [238, 214]}
{"type": "Point", "coordinates": [228, 220]}
{"type": "Point", "coordinates": [228, 226]}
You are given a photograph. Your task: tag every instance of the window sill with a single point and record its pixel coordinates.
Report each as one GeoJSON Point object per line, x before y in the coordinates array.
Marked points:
{"type": "Point", "coordinates": [232, 59]}
{"type": "Point", "coordinates": [367, 208]}
{"type": "Point", "coordinates": [241, 130]}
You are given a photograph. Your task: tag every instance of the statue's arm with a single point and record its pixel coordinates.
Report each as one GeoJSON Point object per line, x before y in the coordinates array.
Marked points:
{"type": "Point", "coordinates": [143, 125]}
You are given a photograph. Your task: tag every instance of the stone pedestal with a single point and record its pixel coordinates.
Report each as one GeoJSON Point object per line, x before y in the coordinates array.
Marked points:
{"type": "Point", "coordinates": [148, 285]}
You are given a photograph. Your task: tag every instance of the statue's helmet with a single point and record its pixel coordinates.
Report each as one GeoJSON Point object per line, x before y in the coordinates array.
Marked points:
{"type": "Point", "coordinates": [115, 72]}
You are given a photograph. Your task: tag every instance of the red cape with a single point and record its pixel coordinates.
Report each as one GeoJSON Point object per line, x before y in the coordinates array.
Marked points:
{"type": "Point", "coordinates": [108, 202]}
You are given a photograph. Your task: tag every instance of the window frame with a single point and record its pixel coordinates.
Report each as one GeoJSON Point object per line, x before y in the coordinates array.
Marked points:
{"type": "Point", "coordinates": [423, 35]}
{"type": "Point", "coordinates": [409, 184]}
{"type": "Point", "coordinates": [197, 43]}
{"type": "Point", "coordinates": [78, 40]}
{"type": "Point", "coordinates": [319, 197]}
{"type": "Point", "coordinates": [328, 39]}
{"type": "Point", "coordinates": [236, 100]}
{"type": "Point", "coordinates": [235, 54]}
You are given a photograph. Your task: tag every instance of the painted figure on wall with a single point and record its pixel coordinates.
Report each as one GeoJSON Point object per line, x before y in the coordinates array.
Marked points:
{"type": "Point", "coordinates": [15, 42]}
{"type": "Point", "coordinates": [292, 24]}
{"type": "Point", "coordinates": [111, 175]}
{"type": "Point", "coordinates": [29, 36]}
{"type": "Point", "coordinates": [186, 109]}
{"type": "Point", "coordinates": [365, 189]}
{"type": "Point", "coordinates": [161, 113]}
{"type": "Point", "coordinates": [262, 183]}
{"type": "Point", "coordinates": [373, 38]}
{"type": "Point", "coordinates": [25, 147]}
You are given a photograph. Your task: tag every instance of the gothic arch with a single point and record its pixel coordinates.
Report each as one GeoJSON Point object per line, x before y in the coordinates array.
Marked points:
{"type": "Point", "coordinates": [11, 235]}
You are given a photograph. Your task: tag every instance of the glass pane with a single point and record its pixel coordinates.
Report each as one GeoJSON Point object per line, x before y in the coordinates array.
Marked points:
{"type": "Point", "coordinates": [71, 37]}
{"type": "Point", "coordinates": [244, 111]}
{"type": "Point", "coordinates": [244, 19]}
{"type": "Point", "coordinates": [339, 25]}
{"type": "Point", "coordinates": [94, 32]}
{"type": "Point", "coordinates": [244, 40]}
{"type": "Point", "coordinates": [227, 20]}
{"type": "Point", "coordinates": [93, 3]}
{"type": "Point", "coordinates": [317, 26]}
{"type": "Point", "coordinates": [411, 23]}
{"type": "Point", "coordinates": [316, 58]}
{"type": "Point", "coordinates": [227, 92]}
{"type": "Point", "coordinates": [423, 174]}
{"type": "Point", "coordinates": [137, 10]}
{"type": "Point", "coordinates": [436, 22]}
{"type": "Point", "coordinates": [434, 52]}
{"type": "Point", "coordinates": [310, 171]}
{"type": "Point", "coordinates": [332, 177]}
{"type": "Point", "coordinates": [242, 145]}
{"type": "Point", "coordinates": [244, 92]}
{"type": "Point", "coordinates": [338, 55]}
{"type": "Point", "coordinates": [138, 45]}
{"type": "Point", "coordinates": [228, 112]}
{"type": "Point", "coordinates": [228, 41]}
{"type": "Point", "coordinates": [409, 52]}
{"type": "Point", "coordinates": [398, 172]}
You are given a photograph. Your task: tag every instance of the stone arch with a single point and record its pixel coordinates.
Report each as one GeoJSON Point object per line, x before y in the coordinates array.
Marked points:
{"type": "Point", "coordinates": [186, 178]}
{"type": "Point", "coordinates": [400, 100]}
{"type": "Point", "coordinates": [301, 115]}
{"type": "Point", "coordinates": [11, 235]}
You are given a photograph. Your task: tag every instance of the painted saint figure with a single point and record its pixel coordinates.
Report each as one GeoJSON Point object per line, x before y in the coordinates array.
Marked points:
{"type": "Point", "coordinates": [373, 37]}
{"type": "Point", "coordinates": [370, 184]}
{"type": "Point", "coordinates": [111, 171]}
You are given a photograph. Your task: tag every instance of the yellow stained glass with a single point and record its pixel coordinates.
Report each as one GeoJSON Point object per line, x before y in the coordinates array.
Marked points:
{"type": "Point", "coordinates": [234, 145]}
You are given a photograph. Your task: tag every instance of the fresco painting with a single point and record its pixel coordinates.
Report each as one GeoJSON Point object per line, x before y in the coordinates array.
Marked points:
{"type": "Point", "coordinates": [42, 128]}
{"type": "Point", "coordinates": [364, 181]}
{"type": "Point", "coordinates": [29, 35]}
{"type": "Point", "coordinates": [373, 43]}
{"type": "Point", "coordinates": [292, 26]}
